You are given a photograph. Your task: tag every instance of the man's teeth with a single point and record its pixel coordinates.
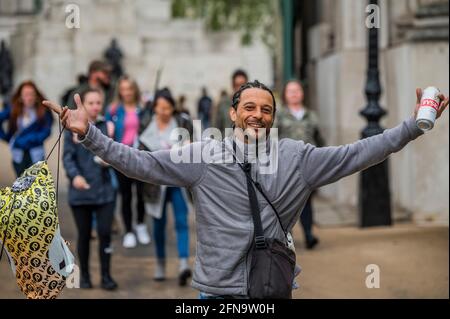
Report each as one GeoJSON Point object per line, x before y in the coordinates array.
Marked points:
{"type": "Point", "coordinates": [255, 125]}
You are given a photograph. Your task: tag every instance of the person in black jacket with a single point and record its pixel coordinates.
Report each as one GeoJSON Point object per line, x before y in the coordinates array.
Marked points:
{"type": "Point", "coordinates": [204, 109]}
{"type": "Point", "coordinates": [91, 191]}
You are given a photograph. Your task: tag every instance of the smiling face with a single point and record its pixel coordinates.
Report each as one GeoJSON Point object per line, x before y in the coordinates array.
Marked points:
{"type": "Point", "coordinates": [254, 113]}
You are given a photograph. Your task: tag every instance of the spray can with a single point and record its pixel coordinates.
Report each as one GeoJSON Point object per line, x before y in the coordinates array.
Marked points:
{"type": "Point", "coordinates": [429, 105]}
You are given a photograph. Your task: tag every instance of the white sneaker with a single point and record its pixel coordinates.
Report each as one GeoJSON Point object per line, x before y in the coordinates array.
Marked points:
{"type": "Point", "coordinates": [142, 234]}
{"type": "Point", "coordinates": [129, 240]}
{"type": "Point", "coordinates": [160, 270]}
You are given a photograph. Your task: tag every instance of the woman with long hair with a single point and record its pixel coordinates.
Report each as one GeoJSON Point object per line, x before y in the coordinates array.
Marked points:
{"type": "Point", "coordinates": [125, 114]}
{"type": "Point", "coordinates": [157, 125]}
{"type": "Point", "coordinates": [295, 120]}
{"type": "Point", "coordinates": [29, 125]}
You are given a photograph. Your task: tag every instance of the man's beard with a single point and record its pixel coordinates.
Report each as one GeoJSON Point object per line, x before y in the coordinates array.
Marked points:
{"type": "Point", "coordinates": [251, 135]}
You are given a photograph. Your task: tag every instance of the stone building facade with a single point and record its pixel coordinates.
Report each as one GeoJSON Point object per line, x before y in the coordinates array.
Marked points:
{"type": "Point", "coordinates": [414, 52]}
{"type": "Point", "coordinates": [330, 54]}
{"type": "Point", "coordinates": [190, 57]}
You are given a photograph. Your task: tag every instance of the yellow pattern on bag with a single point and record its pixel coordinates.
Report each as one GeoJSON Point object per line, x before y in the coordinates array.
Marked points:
{"type": "Point", "coordinates": [32, 227]}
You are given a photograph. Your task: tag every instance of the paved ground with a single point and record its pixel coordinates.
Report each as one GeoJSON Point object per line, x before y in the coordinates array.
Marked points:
{"type": "Point", "coordinates": [413, 260]}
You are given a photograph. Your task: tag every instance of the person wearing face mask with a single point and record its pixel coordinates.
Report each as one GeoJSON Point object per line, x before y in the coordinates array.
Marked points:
{"type": "Point", "coordinates": [294, 120]}
{"type": "Point", "coordinates": [29, 125]}
{"type": "Point", "coordinates": [98, 77]}
{"type": "Point", "coordinates": [157, 125]}
{"type": "Point", "coordinates": [91, 191]}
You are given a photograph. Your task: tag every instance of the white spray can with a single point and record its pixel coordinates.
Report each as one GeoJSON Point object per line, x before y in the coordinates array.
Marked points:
{"type": "Point", "coordinates": [429, 105]}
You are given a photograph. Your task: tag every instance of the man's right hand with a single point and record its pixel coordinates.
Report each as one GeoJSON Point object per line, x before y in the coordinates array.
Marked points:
{"type": "Point", "coordinates": [79, 182]}
{"type": "Point", "coordinates": [74, 120]}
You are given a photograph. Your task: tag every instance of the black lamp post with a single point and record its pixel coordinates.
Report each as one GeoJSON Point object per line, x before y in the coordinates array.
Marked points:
{"type": "Point", "coordinates": [374, 194]}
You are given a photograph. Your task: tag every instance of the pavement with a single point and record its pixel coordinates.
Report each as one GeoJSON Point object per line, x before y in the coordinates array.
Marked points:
{"type": "Point", "coordinates": [413, 261]}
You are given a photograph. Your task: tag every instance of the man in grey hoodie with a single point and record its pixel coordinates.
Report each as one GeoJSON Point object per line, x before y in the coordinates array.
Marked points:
{"type": "Point", "coordinates": [225, 232]}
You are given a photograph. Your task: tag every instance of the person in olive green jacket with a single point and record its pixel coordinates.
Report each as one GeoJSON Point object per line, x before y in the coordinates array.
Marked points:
{"type": "Point", "coordinates": [296, 121]}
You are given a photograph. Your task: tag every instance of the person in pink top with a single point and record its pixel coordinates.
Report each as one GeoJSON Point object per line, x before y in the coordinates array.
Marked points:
{"type": "Point", "coordinates": [125, 114]}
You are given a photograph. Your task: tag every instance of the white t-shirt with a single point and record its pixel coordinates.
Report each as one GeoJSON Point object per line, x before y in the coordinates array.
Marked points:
{"type": "Point", "coordinates": [298, 114]}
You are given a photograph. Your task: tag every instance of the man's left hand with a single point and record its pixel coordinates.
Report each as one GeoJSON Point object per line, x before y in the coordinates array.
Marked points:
{"type": "Point", "coordinates": [442, 105]}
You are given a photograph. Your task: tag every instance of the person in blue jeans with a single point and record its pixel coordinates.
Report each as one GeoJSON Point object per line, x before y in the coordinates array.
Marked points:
{"type": "Point", "coordinates": [156, 127]}
{"type": "Point", "coordinates": [175, 196]}
{"type": "Point", "coordinates": [29, 125]}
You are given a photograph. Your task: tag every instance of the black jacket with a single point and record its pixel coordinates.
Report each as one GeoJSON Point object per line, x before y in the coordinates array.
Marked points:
{"type": "Point", "coordinates": [79, 161]}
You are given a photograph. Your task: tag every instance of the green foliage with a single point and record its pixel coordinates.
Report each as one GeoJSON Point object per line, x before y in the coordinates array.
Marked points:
{"type": "Point", "coordinates": [246, 16]}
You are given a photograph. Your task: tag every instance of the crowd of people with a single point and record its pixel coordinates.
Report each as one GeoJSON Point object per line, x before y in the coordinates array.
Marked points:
{"type": "Point", "coordinates": [117, 109]}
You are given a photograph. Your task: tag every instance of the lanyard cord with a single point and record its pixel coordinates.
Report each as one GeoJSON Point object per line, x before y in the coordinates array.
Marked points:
{"type": "Point", "coordinates": [61, 130]}
{"type": "Point", "coordinates": [58, 142]}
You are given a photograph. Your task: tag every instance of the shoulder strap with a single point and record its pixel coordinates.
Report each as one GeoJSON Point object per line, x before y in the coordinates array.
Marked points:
{"type": "Point", "coordinates": [260, 239]}
{"type": "Point", "coordinates": [259, 188]}
{"type": "Point", "coordinates": [246, 168]}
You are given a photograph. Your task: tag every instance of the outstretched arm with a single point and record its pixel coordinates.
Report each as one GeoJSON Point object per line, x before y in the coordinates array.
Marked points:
{"type": "Point", "coordinates": [321, 166]}
{"type": "Point", "coordinates": [326, 165]}
{"type": "Point", "coordinates": [153, 167]}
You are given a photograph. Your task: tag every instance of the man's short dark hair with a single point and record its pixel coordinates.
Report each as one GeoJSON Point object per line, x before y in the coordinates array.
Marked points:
{"type": "Point", "coordinates": [98, 65]}
{"type": "Point", "coordinates": [239, 72]}
{"type": "Point", "coordinates": [249, 85]}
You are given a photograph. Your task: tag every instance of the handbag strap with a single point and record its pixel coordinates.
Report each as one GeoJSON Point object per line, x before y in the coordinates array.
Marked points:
{"type": "Point", "coordinates": [260, 240]}
{"type": "Point", "coordinates": [259, 232]}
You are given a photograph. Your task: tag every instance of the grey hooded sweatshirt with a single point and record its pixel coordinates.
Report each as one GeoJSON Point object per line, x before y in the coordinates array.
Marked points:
{"type": "Point", "coordinates": [223, 218]}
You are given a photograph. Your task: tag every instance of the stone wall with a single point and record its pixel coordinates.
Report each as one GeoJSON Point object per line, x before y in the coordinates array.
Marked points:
{"type": "Point", "coordinates": [47, 51]}
{"type": "Point", "coordinates": [419, 173]}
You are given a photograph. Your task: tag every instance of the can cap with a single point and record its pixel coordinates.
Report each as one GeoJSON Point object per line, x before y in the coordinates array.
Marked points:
{"type": "Point", "coordinates": [424, 124]}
